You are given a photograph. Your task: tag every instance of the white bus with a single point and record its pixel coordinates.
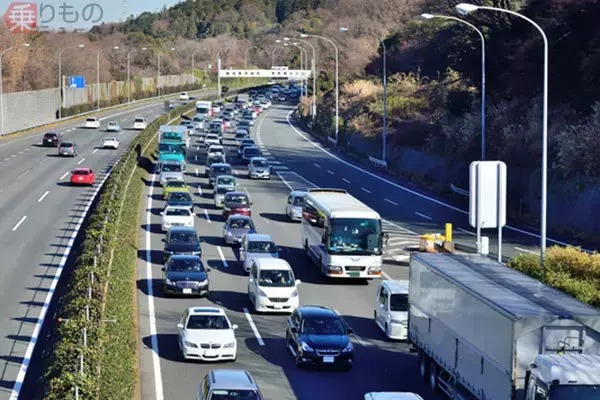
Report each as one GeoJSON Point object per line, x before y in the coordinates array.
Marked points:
{"type": "Point", "coordinates": [342, 235]}
{"type": "Point", "coordinates": [204, 108]}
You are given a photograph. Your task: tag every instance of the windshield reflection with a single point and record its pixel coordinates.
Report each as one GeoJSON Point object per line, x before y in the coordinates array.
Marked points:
{"type": "Point", "coordinates": [355, 236]}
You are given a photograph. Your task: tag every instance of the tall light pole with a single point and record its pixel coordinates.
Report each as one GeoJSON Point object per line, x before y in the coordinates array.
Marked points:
{"type": "Point", "coordinates": [337, 84]}
{"type": "Point", "coordinates": [314, 73]}
{"type": "Point", "coordinates": [246, 56]}
{"type": "Point", "coordinates": [431, 16]}
{"type": "Point", "coordinates": [303, 62]}
{"type": "Point", "coordinates": [129, 72]}
{"type": "Point", "coordinates": [158, 71]}
{"type": "Point", "coordinates": [219, 72]}
{"type": "Point", "coordinates": [98, 75]}
{"type": "Point", "coordinates": [60, 79]}
{"type": "Point", "coordinates": [464, 9]}
{"type": "Point", "coordinates": [1, 79]}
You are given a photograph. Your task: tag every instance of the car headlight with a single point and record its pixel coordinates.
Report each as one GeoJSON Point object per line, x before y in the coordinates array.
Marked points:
{"type": "Point", "coordinates": [169, 282]}
{"type": "Point", "coordinates": [229, 345]}
{"type": "Point", "coordinates": [374, 269]}
{"type": "Point", "coordinates": [203, 283]}
{"type": "Point", "coordinates": [262, 294]}
{"type": "Point", "coordinates": [334, 268]}
{"type": "Point", "coordinates": [348, 348]}
{"type": "Point", "coordinates": [228, 233]}
{"type": "Point", "coordinates": [190, 344]}
{"type": "Point", "coordinates": [305, 347]}
{"type": "Point", "coordinates": [294, 293]}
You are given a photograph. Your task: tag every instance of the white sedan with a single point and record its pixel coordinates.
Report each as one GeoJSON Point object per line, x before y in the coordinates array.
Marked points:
{"type": "Point", "coordinates": [206, 334]}
{"type": "Point", "coordinates": [110, 143]}
{"type": "Point", "coordinates": [92, 123]}
{"type": "Point", "coordinates": [140, 123]}
{"type": "Point", "coordinates": [176, 216]}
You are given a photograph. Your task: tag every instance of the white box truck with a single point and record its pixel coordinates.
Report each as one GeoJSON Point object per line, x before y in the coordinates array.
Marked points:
{"type": "Point", "coordinates": [485, 331]}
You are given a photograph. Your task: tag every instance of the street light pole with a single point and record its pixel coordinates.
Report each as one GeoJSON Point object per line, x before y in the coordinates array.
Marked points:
{"type": "Point", "coordinates": [303, 61]}
{"type": "Point", "coordinates": [314, 74]}
{"type": "Point", "coordinates": [129, 73]}
{"type": "Point", "coordinates": [337, 83]}
{"type": "Point", "coordinates": [465, 8]}
{"type": "Point", "coordinates": [2, 87]}
{"type": "Point", "coordinates": [431, 16]}
{"type": "Point", "coordinates": [219, 72]}
{"type": "Point", "coordinates": [98, 76]}
{"type": "Point", "coordinates": [60, 80]}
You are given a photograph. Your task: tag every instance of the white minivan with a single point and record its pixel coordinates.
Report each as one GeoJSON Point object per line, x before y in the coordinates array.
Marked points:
{"type": "Point", "coordinates": [391, 309]}
{"type": "Point", "coordinates": [272, 286]}
{"type": "Point", "coordinates": [184, 96]}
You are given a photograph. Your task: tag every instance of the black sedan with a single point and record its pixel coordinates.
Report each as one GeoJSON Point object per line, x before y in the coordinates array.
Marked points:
{"type": "Point", "coordinates": [181, 240]}
{"type": "Point", "coordinates": [185, 275]}
{"type": "Point", "coordinates": [317, 335]}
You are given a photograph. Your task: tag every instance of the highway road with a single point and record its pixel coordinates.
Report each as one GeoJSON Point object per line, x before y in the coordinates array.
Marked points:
{"type": "Point", "coordinates": [40, 213]}
{"type": "Point", "coordinates": [381, 365]}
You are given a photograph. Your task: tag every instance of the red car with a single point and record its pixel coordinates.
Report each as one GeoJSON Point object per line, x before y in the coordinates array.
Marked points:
{"type": "Point", "coordinates": [258, 110]}
{"type": "Point", "coordinates": [236, 203]}
{"type": "Point", "coordinates": [83, 176]}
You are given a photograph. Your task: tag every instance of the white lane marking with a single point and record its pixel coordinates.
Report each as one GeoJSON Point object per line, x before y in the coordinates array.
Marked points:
{"type": "Point", "coordinates": [19, 223]}
{"type": "Point", "coordinates": [42, 315]}
{"type": "Point", "coordinates": [223, 260]}
{"type": "Point", "coordinates": [197, 172]}
{"type": "Point", "coordinates": [316, 165]}
{"type": "Point", "coordinates": [330, 172]}
{"type": "Point", "coordinates": [466, 231]}
{"type": "Point", "coordinates": [254, 328]}
{"type": "Point", "coordinates": [80, 161]}
{"type": "Point", "coordinates": [158, 385]}
{"type": "Point", "coordinates": [43, 196]}
{"type": "Point", "coordinates": [391, 202]}
{"type": "Point", "coordinates": [13, 155]}
{"type": "Point", "coordinates": [195, 158]}
{"type": "Point", "coordinates": [95, 150]}
{"type": "Point", "coordinates": [346, 180]}
{"type": "Point", "coordinates": [246, 190]}
{"type": "Point", "coordinates": [23, 173]}
{"type": "Point", "coordinates": [197, 148]}
{"type": "Point", "coordinates": [206, 215]}
{"type": "Point", "coordinates": [398, 186]}
{"type": "Point", "coordinates": [525, 250]}
{"type": "Point", "coordinates": [423, 215]}
{"type": "Point", "coordinates": [266, 153]}
{"type": "Point", "coordinates": [65, 175]}
{"type": "Point", "coordinates": [365, 190]}
{"type": "Point", "coordinates": [199, 191]}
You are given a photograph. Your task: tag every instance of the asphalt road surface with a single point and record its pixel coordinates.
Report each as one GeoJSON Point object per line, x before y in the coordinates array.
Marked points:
{"type": "Point", "coordinates": [39, 216]}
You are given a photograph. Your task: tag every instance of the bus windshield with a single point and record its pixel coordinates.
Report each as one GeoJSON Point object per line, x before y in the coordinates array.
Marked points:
{"type": "Point", "coordinates": [355, 236]}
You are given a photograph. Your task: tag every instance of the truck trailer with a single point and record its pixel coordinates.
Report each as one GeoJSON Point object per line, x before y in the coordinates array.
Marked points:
{"type": "Point", "coordinates": [487, 332]}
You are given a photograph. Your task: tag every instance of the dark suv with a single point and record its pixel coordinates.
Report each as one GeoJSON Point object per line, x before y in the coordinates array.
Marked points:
{"type": "Point", "coordinates": [317, 335]}
{"type": "Point", "coordinates": [52, 139]}
{"type": "Point", "coordinates": [181, 240]}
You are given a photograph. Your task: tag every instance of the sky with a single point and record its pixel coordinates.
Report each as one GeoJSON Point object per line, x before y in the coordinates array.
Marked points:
{"type": "Point", "coordinates": [111, 11]}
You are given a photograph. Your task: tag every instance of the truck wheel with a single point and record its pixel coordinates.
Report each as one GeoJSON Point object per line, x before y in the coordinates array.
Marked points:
{"type": "Point", "coordinates": [423, 366]}
{"type": "Point", "coordinates": [433, 378]}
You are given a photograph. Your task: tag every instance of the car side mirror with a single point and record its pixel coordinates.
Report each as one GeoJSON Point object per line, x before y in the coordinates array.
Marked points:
{"type": "Point", "coordinates": [349, 330]}
{"type": "Point", "coordinates": [235, 327]}
{"type": "Point", "coordinates": [179, 326]}
{"type": "Point", "coordinates": [162, 213]}
{"type": "Point", "coordinates": [163, 269]}
{"type": "Point", "coordinates": [293, 329]}
{"type": "Point", "coordinates": [163, 240]}
{"type": "Point", "coordinates": [208, 269]}
{"type": "Point", "coordinates": [298, 281]}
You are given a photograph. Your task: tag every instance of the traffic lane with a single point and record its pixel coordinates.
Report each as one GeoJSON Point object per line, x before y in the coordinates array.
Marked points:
{"type": "Point", "coordinates": [424, 216]}
{"type": "Point", "coordinates": [227, 290]}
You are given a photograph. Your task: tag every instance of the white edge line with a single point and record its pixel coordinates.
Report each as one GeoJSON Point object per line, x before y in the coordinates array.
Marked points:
{"type": "Point", "coordinates": [423, 215]}
{"type": "Point", "coordinates": [254, 328]}
{"type": "Point", "coordinates": [42, 316]}
{"type": "Point", "coordinates": [436, 201]}
{"type": "Point", "coordinates": [466, 231]}
{"type": "Point", "coordinates": [223, 260]}
{"type": "Point", "coordinates": [19, 223]}
{"type": "Point", "coordinates": [206, 215]}
{"type": "Point", "coordinates": [43, 196]}
{"type": "Point", "coordinates": [525, 250]}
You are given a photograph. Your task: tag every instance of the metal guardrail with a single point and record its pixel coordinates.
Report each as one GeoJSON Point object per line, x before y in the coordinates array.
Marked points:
{"type": "Point", "coordinates": [457, 190]}
{"type": "Point", "coordinates": [378, 162]}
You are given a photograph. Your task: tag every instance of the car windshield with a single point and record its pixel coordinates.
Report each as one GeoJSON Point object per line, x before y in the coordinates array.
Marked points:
{"type": "Point", "coordinates": [237, 394]}
{"type": "Point", "coordinates": [91, 120]}
{"type": "Point", "coordinates": [183, 238]}
{"type": "Point", "coordinates": [50, 135]}
{"type": "Point", "coordinates": [574, 392]}
{"type": "Point", "coordinates": [399, 302]}
{"type": "Point", "coordinates": [176, 184]}
{"type": "Point", "coordinates": [241, 135]}
{"type": "Point", "coordinates": [239, 200]}
{"type": "Point", "coordinates": [241, 223]}
{"type": "Point", "coordinates": [171, 168]}
{"type": "Point", "coordinates": [251, 152]}
{"type": "Point", "coordinates": [110, 139]}
{"type": "Point", "coordinates": [180, 196]}
{"type": "Point", "coordinates": [355, 236]}
{"type": "Point", "coordinates": [207, 322]}
{"type": "Point", "coordinates": [226, 181]}
{"type": "Point", "coordinates": [323, 326]}
{"type": "Point", "coordinates": [112, 123]}
{"type": "Point", "coordinates": [221, 170]}
{"type": "Point", "coordinates": [65, 144]}
{"type": "Point", "coordinates": [216, 149]}
{"type": "Point", "coordinates": [178, 212]}
{"type": "Point", "coordinates": [298, 201]}
{"type": "Point", "coordinates": [79, 172]}
{"type": "Point", "coordinates": [260, 163]}
{"type": "Point", "coordinates": [214, 160]}
{"type": "Point", "coordinates": [186, 265]}
{"type": "Point", "coordinates": [276, 278]}
{"type": "Point", "coordinates": [261, 247]}
{"type": "Point", "coordinates": [224, 190]}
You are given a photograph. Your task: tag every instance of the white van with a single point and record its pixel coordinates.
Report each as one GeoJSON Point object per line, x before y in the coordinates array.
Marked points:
{"type": "Point", "coordinates": [391, 309]}
{"type": "Point", "coordinates": [272, 285]}
{"type": "Point", "coordinates": [392, 396]}
{"type": "Point", "coordinates": [184, 96]}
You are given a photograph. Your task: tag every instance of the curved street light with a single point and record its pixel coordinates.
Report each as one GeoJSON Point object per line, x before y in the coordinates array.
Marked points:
{"type": "Point", "coordinates": [60, 79]}
{"type": "Point", "coordinates": [303, 65]}
{"type": "Point", "coordinates": [465, 8]}
{"type": "Point", "coordinates": [314, 74]}
{"type": "Point", "coordinates": [98, 74]}
{"type": "Point", "coordinates": [1, 87]}
{"type": "Point", "coordinates": [129, 72]}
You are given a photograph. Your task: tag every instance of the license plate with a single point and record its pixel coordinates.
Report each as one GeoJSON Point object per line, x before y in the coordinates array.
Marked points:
{"type": "Point", "coordinates": [354, 274]}
{"type": "Point", "coordinates": [277, 306]}
{"type": "Point", "coordinates": [187, 291]}
{"type": "Point", "coordinates": [328, 359]}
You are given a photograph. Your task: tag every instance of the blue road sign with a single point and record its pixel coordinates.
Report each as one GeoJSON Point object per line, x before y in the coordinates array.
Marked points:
{"type": "Point", "coordinates": [77, 82]}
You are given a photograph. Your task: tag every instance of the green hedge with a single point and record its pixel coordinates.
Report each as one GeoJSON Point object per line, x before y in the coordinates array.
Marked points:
{"type": "Point", "coordinates": [110, 357]}
{"type": "Point", "coordinates": [568, 269]}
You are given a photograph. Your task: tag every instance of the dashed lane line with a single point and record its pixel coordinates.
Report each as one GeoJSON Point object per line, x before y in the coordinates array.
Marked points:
{"type": "Point", "coordinates": [81, 161]}
{"type": "Point", "coordinates": [423, 215]}
{"type": "Point", "coordinates": [223, 260]}
{"type": "Point", "coordinates": [206, 215]}
{"type": "Point", "coordinates": [64, 175]}
{"type": "Point", "coordinates": [346, 180]}
{"type": "Point", "coordinates": [391, 202]}
{"type": "Point", "coordinates": [43, 196]}
{"type": "Point", "coordinates": [330, 172]}
{"type": "Point", "coordinates": [19, 223]}
{"type": "Point", "coordinates": [365, 190]}
{"type": "Point", "coordinates": [466, 231]}
{"type": "Point", "coordinates": [254, 328]}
